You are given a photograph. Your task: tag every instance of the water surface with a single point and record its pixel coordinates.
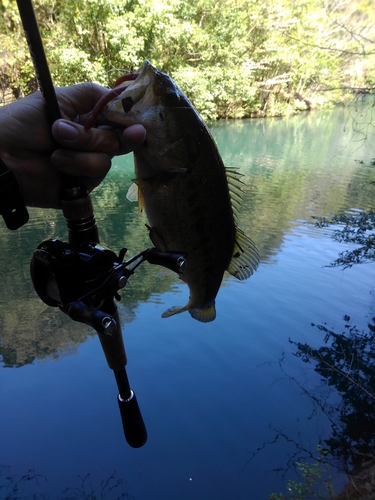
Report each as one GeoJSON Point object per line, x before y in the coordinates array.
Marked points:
{"type": "Point", "coordinates": [228, 406]}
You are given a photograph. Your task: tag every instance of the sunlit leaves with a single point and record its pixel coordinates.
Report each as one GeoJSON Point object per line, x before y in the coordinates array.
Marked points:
{"type": "Point", "coordinates": [233, 58]}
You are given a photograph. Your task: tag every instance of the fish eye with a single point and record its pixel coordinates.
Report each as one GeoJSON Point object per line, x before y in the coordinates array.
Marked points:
{"type": "Point", "coordinates": [172, 98]}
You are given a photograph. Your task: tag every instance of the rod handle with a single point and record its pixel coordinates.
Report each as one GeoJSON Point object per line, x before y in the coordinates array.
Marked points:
{"type": "Point", "coordinates": [132, 421]}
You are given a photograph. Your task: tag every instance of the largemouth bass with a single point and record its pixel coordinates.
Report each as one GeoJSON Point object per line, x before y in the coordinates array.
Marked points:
{"type": "Point", "coordinates": [189, 197]}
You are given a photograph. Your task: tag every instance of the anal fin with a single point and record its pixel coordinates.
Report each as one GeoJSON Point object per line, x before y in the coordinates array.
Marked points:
{"type": "Point", "coordinates": [204, 315]}
{"type": "Point", "coordinates": [174, 310]}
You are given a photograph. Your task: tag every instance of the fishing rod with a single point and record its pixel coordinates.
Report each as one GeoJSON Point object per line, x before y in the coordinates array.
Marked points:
{"type": "Point", "coordinates": [80, 277]}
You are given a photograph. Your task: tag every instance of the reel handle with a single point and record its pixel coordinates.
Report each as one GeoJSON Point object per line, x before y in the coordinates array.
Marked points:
{"type": "Point", "coordinates": [132, 421]}
{"type": "Point", "coordinates": [114, 350]}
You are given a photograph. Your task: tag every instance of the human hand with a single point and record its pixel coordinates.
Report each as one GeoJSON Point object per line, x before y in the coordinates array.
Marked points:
{"type": "Point", "coordinates": [28, 149]}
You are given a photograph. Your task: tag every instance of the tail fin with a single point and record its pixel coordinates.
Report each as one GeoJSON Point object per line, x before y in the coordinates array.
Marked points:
{"type": "Point", "coordinates": [204, 315]}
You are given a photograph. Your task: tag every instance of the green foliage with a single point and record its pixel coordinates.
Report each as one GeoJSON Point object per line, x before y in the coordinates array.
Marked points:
{"type": "Point", "coordinates": [233, 58]}
{"type": "Point", "coordinates": [314, 481]}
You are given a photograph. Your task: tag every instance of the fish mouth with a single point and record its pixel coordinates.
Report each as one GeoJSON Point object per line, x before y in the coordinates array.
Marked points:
{"type": "Point", "coordinates": [138, 96]}
{"type": "Point", "coordinates": [144, 97]}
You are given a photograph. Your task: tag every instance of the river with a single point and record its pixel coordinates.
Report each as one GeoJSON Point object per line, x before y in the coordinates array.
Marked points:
{"type": "Point", "coordinates": [230, 406]}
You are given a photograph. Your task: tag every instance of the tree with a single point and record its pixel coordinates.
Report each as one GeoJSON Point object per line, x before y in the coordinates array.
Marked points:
{"type": "Point", "coordinates": [233, 58]}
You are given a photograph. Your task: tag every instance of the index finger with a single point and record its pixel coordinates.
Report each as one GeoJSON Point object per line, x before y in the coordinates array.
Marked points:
{"type": "Point", "coordinates": [79, 99]}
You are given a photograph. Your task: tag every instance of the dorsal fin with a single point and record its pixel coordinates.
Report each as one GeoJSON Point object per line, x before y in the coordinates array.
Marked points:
{"type": "Point", "coordinates": [245, 257]}
{"type": "Point", "coordinates": [235, 188]}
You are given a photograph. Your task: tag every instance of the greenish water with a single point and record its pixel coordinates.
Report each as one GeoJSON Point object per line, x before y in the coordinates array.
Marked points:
{"type": "Point", "coordinates": [229, 406]}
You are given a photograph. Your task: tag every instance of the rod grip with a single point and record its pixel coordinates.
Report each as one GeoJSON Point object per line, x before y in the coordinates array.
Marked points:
{"type": "Point", "coordinates": [132, 421]}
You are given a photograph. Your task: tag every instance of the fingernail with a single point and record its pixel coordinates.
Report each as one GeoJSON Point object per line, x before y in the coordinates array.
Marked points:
{"type": "Point", "coordinates": [67, 131]}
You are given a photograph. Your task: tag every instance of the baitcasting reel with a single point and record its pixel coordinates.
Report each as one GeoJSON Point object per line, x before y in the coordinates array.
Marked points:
{"type": "Point", "coordinates": [80, 279]}
{"type": "Point", "coordinates": [83, 281]}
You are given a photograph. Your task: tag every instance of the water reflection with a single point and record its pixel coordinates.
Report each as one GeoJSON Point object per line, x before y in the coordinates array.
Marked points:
{"type": "Point", "coordinates": [293, 168]}
{"type": "Point", "coordinates": [357, 228]}
{"type": "Point", "coordinates": [210, 394]}
{"type": "Point", "coordinates": [31, 486]}
{"type": "Point", "coordinates": [346, 364]}
{"type": "Point", "coordinates": [32, 331]}
{"type": "Point", "coordinates": [344, 393]}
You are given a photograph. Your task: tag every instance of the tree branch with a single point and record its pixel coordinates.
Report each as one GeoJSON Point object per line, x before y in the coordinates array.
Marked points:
{"type": "Point", "coordinates": [343, 51]}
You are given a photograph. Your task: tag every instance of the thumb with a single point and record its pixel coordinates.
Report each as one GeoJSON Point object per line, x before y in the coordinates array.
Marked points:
{"type": "Point", "coordinates": [74, 136]}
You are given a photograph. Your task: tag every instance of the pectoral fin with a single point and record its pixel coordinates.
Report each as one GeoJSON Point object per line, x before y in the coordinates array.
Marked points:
{"type": "Point", "coordinates": [132, 194]}
{"type": "Point", "coordinates": [135, 194]}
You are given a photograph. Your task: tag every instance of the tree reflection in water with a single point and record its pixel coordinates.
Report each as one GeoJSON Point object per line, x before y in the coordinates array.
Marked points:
{"type": "Point", "coordinates": [347, 363]}
{"type": "Point", "coordinates": [358, 228]}
{"type": "Point", "coordinates": [32, 486]}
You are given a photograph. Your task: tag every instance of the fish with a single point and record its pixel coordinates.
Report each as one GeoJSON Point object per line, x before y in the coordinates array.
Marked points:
{"type": "Point", "coordinates": [190, 199]}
